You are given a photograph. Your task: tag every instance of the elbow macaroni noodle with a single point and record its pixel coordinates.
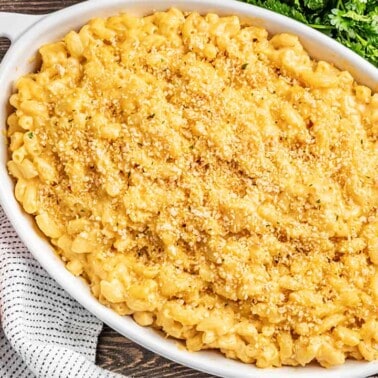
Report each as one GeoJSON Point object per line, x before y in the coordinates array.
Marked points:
{"type": "Point", "coordinates": [216, 183]}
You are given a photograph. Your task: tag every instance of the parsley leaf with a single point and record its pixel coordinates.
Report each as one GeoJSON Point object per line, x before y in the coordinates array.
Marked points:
{"type": "Point", "coordinates": [315, 4]}
{"type": "Point", "coordinates": [354, 23]}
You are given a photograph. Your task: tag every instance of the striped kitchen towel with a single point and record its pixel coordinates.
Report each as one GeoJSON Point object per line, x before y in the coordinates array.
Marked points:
{"type": "Point", "coordinates": [43, 331]}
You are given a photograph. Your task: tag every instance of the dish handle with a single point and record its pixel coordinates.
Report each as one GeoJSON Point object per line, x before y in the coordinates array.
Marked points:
{"type": "Point", "coordinates": [12, 25]}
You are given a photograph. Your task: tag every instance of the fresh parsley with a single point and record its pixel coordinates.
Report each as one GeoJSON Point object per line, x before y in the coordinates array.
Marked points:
{"type": "Point", "coordinates": [354, 23]}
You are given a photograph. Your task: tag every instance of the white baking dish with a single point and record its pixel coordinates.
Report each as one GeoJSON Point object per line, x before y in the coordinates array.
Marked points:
{"type": "Point", "coordinates": [27, 34]}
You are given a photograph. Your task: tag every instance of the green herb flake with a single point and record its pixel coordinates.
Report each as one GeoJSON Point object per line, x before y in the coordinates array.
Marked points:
{"type": "Point", "coordinates": [244, 66]}
{"type": "Point", "coordinates": [30, 135]}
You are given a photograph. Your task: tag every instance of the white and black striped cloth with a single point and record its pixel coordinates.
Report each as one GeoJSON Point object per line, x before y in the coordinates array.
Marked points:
{"type": "Point", "coordinates": [43, 331]}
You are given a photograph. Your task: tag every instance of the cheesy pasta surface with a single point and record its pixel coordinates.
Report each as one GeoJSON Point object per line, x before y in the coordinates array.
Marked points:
{"type": "Point", "coordinates": [214, 182]}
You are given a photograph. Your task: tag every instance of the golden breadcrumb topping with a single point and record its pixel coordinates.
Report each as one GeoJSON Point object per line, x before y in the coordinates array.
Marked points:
{"type": "Point", "coordinates": [214, 182]}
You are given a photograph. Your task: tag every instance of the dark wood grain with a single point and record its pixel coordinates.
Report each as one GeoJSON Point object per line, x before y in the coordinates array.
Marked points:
{"type": "Point", "coordinates": [4, 44]}
{"type": "Point", "coordinates": [115, 352]}
{"type": "Point", "coordinates": [122, 356]}
{"type": "Point", "coordinates": [36, 6]}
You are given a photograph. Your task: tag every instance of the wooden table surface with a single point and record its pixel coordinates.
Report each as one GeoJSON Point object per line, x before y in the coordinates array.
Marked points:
{"type": "Point", "coordinates": [115, 352]}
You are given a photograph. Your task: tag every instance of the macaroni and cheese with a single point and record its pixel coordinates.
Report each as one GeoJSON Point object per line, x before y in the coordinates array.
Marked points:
{"type": "Point", "coordinates": [212, 181]}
